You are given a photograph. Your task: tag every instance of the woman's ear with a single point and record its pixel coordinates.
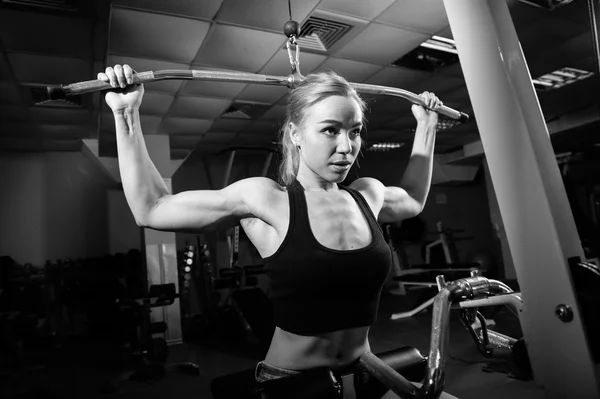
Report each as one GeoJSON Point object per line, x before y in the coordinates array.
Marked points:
{"type": "Point", "coordinates": [294, 134]}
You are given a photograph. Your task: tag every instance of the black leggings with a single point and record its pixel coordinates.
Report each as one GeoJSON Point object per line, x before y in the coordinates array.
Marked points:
{"type": "Point", "coordinates": [351, 380]}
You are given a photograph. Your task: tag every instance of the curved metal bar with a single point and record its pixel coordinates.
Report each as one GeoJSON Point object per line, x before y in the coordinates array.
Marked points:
{"type": "Point", "coordinates": [433, 383]}
{"type": "Point", "coordinates": [61, 91]}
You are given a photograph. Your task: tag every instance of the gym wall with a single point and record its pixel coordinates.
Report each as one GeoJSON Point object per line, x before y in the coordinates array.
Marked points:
{"type": "Point", "coordinates": [52, 206]}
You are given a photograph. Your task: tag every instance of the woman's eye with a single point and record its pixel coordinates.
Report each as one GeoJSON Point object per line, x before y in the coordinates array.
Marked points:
{"type": "Point", "coordinates": [329, 130]}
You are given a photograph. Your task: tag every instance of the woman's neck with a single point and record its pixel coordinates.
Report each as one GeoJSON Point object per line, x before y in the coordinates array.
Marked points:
{"type": "Point", "coordinates": [313, 182]}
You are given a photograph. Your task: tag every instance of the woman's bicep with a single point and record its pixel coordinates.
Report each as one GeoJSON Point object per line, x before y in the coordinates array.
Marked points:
{"type": "Point", "coordinates": [398, 205]}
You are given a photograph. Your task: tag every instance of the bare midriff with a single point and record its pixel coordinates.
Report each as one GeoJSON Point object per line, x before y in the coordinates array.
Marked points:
{"type": "Point", "coordinates": [334, 350]}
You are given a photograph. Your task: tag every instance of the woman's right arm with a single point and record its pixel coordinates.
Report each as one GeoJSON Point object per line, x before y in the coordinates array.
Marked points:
{"type": "Point", "coordinates": [148, 197]}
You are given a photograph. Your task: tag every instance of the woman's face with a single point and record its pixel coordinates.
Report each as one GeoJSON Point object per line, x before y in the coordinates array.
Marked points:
{"type": "Point", "coordinates": [329, 137]}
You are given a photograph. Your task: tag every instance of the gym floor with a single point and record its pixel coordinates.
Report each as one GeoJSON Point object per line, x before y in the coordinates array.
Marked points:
{"type": "Point", "coordinates": [80, 367]}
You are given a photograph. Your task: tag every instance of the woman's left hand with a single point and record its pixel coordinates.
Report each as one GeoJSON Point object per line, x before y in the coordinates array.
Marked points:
{"type": "Point", "coordinates": [423, 115]}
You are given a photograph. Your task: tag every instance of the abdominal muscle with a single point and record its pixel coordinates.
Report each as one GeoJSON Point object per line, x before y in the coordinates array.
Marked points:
{"type": "Point", "coordinates": [334, 350]}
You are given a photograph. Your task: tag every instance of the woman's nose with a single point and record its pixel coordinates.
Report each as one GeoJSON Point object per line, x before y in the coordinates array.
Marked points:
{"type": "Point", "coordinates": [344, 144]}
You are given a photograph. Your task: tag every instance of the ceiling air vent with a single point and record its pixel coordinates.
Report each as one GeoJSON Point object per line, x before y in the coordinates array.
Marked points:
{"type": "Point", "coordinates": [325, 32]}
{"type": "Point", "coordinates": [60, 5]}
{"type": "Point", "coordinates": [431, 55]}
{"type": "Point", "coordinates": [319, 34]}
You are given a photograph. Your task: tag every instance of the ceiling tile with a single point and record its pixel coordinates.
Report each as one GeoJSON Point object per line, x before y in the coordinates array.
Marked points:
{"type": "Point", "coordinates": [156, 103]}
{"type": "Point", "coordinates": [217, 137]}
{"type": "Point", "coordinates": [151, 35]}
{"type": "Point", "coordinates": [185, 126]}
{"type": "Point", "coordinates": [523, 14]}
{"type": "Point", "coordinates": [198, 107]}
{"type": "Point", "coordinates": [61, 116]}
{"type": "Point", "coordinates": [279, 65]}
{"type": "Point", "coordinates": [191, 9]}
{"type": "Point", "coordinates": [356, 8]}
{"type": "Point", "coordinates": [437, 84]}
{"type": "Point", "coordinates": [386, 109]}
{"type": "Point", "coordinates": [229, 125]}
{"type": "Point", "coordinates": [353, 71]}
{"type": "Point", "coordinates": [62, 145]}
{"type": "Point", "coordinates": [9, 93]}
{"type": "Point", "coordinates": [64, 131]}
{"type": "Point", "coordinates": [144, 65]}
{"type": "Point", "coordinates": [150, 124]}
{"type": "Point", "coordinates": [397, 77]}
{"type": "Point", "coordinates": [268, 128]}
{"type": "Point", "coordinates": [177, 153]}
{"type": "Point", "coordinates": [401, 123]}
{"type": "Point", "coordinates": [187, 141]}
{"type": "Point", "coordinates": [541, 36]}
{"type": "Point", "coordinates": [61, 35]}
{"type": "Point", "coordinates": [391, 44]}
{"type": "Point", "coordinates": [238, 48]}
{"type": "Point", "coordinates": [445, 32]}
{"type": "Point", "coordinates": [276, 112]}
{"type": "Point", "coordinates": [427, 16]}
{"type": "Point", "coordinates": [56, 70]}
{"type": "Point", "coordinates": [454, 70]}
{"type": "Point", "coordinates": [252, 139]}
{"type": "Point", "coordinates": [212, 89]}
{"type": "Point", "coordinates": [457, 95]}
{"type": "Point", "coordinates": [576, 11]}
{"type": "Point", "coordinates": [265, 14]}
{"type": "Point", "coordinates": [262, 93]}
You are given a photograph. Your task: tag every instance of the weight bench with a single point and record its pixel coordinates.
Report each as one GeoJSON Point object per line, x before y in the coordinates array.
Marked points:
{"type": "Point", "coordinates": [425, 277]}
{"type": "Point", "coordinates": [406, 360]}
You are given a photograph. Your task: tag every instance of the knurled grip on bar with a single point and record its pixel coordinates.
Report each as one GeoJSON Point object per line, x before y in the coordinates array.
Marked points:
{"type": "Point", "coordinates": [62, 91]}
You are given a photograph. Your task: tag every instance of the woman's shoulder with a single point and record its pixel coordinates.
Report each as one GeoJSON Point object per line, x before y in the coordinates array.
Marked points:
{"type": "Point", "coordinates": [372, 190]}
{"type": "Point", "coordinates": [368, 185]}
{"type": "Point", "coordinates": [260, 190]}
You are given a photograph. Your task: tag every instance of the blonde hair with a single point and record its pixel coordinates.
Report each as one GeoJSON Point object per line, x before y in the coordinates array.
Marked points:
{"type": "Point", "coordinates": [314, 88]}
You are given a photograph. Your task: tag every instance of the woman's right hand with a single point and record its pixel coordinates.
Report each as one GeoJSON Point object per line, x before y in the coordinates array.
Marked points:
{"type": "Point", "coordinates": [125, 95]}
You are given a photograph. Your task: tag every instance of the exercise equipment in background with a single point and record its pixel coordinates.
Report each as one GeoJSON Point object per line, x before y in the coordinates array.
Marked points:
{"type": "Point", "coordinates": [423, 275]}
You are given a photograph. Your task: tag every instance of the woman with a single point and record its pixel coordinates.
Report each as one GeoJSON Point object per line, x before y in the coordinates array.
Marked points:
{"type": "Point", "coordinates": [323, 249]}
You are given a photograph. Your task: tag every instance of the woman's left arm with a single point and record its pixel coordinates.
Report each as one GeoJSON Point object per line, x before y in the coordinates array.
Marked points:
{"type": "Point", "coordinates": [408, 199]}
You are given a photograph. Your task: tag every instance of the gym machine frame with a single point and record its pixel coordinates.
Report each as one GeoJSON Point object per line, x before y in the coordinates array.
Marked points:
{"type": "Point", "coordinates": [532, 199]}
